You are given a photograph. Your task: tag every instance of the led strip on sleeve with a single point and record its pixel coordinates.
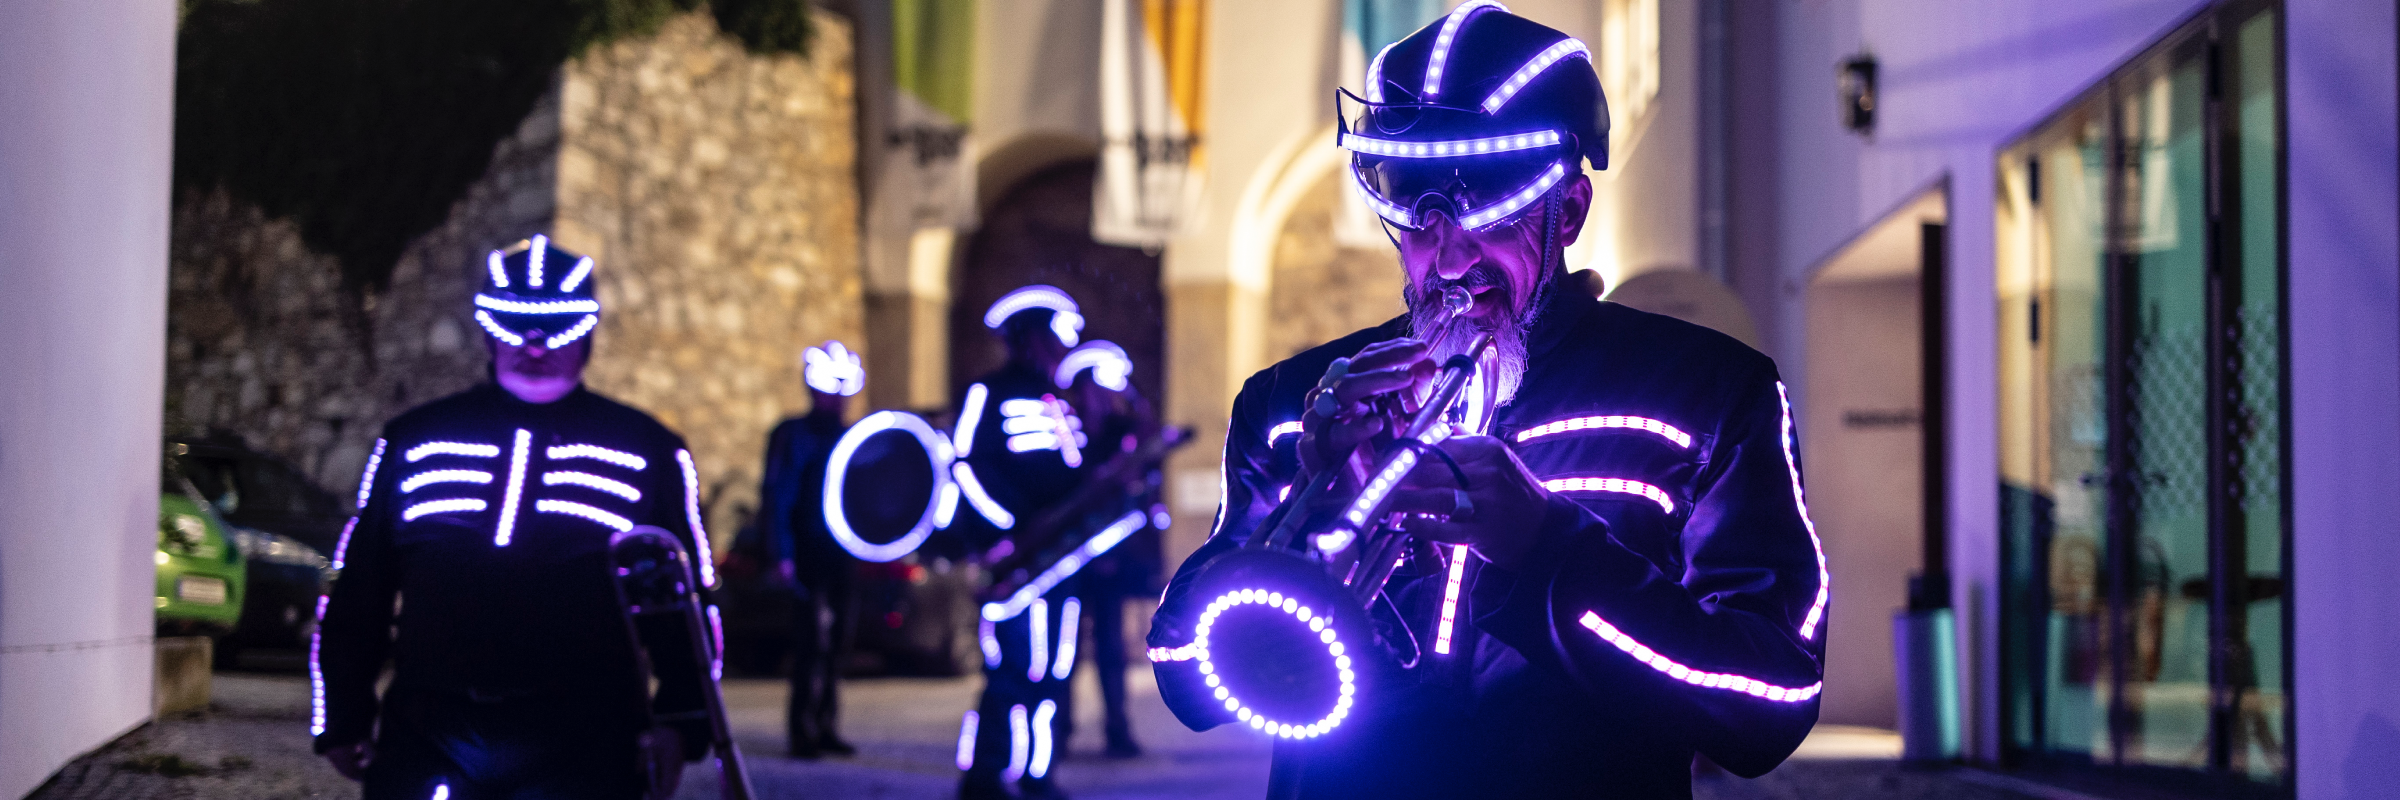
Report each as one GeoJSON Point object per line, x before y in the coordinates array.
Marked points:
{"type": "Point", "coordinates": [982, 501]}
{"type": "Point", "coordinates": [1458, 573]}
{"type": "Point", "coordinates": [1709, 680]}
{"type": "Point", "coordinates": [1791, 463]}
{"type": "Point", "coordinates": [970, 414]}
{"type": "Point", "coordinates": [1618, 485]}
{"type": "Point", "coordinates": [316, 670]}
{"type": "Point", "coordinates": [691, 514]}
{"type": "Point", "coordinates": [1616, 421]}
{"type": "Point", "coordinates": [1291, 428]}
{"type": "Point", "coordinates": [366, 483]}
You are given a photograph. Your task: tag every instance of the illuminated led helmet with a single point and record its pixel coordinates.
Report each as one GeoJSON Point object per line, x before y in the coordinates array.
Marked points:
{"type": "Point", "coordinates": [1066, 320]}
{"type": "Point", "coordinates": [535, 291]}
{"type": "Point", "coordinates": [1478, 115]}
{"type": "Point", "coordinates": [833, 369]}
{"type": "Point", "coordinates": [1109, 365]}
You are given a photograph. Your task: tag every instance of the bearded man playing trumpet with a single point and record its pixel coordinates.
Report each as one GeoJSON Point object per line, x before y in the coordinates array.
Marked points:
{"type": "Point", "coordinates": [1604, 560]}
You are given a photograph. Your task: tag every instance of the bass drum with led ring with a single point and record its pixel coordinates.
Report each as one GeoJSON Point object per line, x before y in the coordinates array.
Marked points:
{"type": "Point", "coordinates": [887, 486]}
{"type": "Point", "coordinates": [1278, 646]}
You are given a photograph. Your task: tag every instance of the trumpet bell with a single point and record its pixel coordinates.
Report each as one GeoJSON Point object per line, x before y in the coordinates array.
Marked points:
{"type": "Point", "coordinates": [1276, 645]}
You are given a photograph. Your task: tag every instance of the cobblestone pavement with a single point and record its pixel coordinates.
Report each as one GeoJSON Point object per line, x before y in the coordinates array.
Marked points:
{"type": "Point", "coordinates": [252, 745]}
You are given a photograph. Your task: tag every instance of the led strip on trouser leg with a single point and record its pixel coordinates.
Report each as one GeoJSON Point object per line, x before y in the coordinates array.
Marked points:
{"type": "Point", "coordinates": [966, 740]}
{"type": "Point", "coordinates": [988, 632]}
{"type": "Point", "coordinates": [514, 490]}
{"type": "Point", "coordinates": [1016, 744]}
{"type": "Point", "coordinates": [316, 671]}
{"type": "Point", "coordinates": [1042, 715]}
{"type": "Point", "coordinates": [1709, 680]}
{"type": "Point", "coordinates": [1458, 574]}
{"type": "Point", "coordinates": [1036, 636]}
{"type": "Point", "coordinates": [982, 501]}
{"type": "Point", "coordinates": [1791, 463]}
{"type": "Point", "coordinates": [1069, 632]}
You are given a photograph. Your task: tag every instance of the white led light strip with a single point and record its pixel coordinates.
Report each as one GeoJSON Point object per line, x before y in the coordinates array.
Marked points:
{"type": "Point", "coordinates": [1710, 680]}
{"type": "Point", "coordinates": [499, 274]}
{"type": "Point", "coordinates": [1449, 35]}
{"type": "Point", "coordinates": [620, 458]}
{"type": "Point", "coordinates": [1375, 74]}
{"type": "Point", "coordinates": [980, 499]}
{"type": "Point", "coordinates": [366, 482]}
{"type": "Point", "coordinates": [1109, 365]}
{"type": "Point", "coordinates": [1454, 148]}
{"type": "Point", "coordinates": [1517, 202]}
{"type": "Point", "coordinates": [1669, 432]}
{"type": "Point", "coordinates": [1533, 69]}
{"type": "Point", "coordinates": [492, 326]}
{"type": "Point", "coordinates": [1618, 485]}
{"type": "Point", "coordinates": [691, 515]}
{"type": "Point", "coordinates": [837, 472]}
{"type": "Point", "coordinates": [1036, 296]}
{"type": "Point", "coordinates": [1037, 641]}
{"type": "Point", "coordinates": [1458, 574]}
{"type": "Point", "coordinates": [1319, 625]}
{"type": "Point", "coordinates": [537, 307]}
{"type": "Point", "coordinates": [1291, 428]}
{"type": "Point", "coordinates": [582, 326]}
{"type": "Point", "coordinates": [430, 477]}
{"type": "Point", "coordinates": [1069, 617]}
{"type": "Point", "coordinates": [1383, 208]}
{"type": "Point", "coordinates": [448, 506]}
{"type": "Point", "coordinates": [1066, 567]}
{"type": "Point", "coordinates": [591, 481]}
{"type": "Point", "coordinates": [517, 456]}
{"type": "Point", "coordinates": [470, 449]}
{"type": "Point", "coordinates": [1791, 463]}
{"type": "Point", "coordinates": [574, 509]}
{"type": "Point", "coordinates": [583, 269]}
{"type": "Point", "coordinates": [533, 260]}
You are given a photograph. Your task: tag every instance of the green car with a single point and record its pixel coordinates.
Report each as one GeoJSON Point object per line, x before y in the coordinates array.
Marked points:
{"type": "Point", "coordinates": [201, 576]}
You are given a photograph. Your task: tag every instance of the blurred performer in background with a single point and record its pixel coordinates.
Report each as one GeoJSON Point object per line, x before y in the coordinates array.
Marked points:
{"type": "Point", "coordinates": [1641, 580]}
{"type": "Point", "coordinates": [822, 575]}
{"type": "Point", "coordinates": [1020, 449]}
{"type": "Point", "coordinates": [1097, 377]}
{"type": "Point", "coordinates": [491, 511]}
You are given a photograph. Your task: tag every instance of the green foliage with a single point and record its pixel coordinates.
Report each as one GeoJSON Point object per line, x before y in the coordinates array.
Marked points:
{"type": "Point", "coordinates": [364, 121]}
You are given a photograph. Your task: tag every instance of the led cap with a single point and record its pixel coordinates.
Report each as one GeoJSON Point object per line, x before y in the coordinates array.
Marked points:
{"type": "Point", "coordinates": [534, 291]}
{"type": "Point", "coordinates": [1066, 319]}
{"type": "Point", "coordinates": [833, 369]}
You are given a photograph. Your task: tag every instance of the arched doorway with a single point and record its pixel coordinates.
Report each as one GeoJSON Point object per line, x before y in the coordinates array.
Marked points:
{"type": "Point", "coordinates": [1040, 231]}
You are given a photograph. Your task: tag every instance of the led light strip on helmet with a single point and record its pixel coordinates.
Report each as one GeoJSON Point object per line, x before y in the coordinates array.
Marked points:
{"type": "Point", "coordinates": [1449, 35]}
{"type": "Point", "coordinates": [492, 326]}
{"type": "Point", "coordinates": [499, 274]}
{"type": "Point", "coordinates": [533, 260]}
{"type": "Point", "coordinates": [1450, 149]}
{"type": "Point", "coordinates": [576, 306]}
{"type": "Point", "coordinates": [837, 470]}
{"type": "Point", "coordinates": [1319, 625]}
{"type": "Point", "coordinates": [1517, 202]}
{"type": "Point", "coordinates": [1375, 74]}
{"type": "Point", "coordinates": [1066, 320]}
{"type": "Point", "coordinates": [832, 369]}
{"type": "Point", "coordinates": [1712, 680]}
{"type": "Point", "coordinates": [1565, 48]}
{"type": "Point", "coordinates": [583, 269]}
{"type": "Point", "coordinates": [1109, 365]}
{"type": "Point", "coordinates": [1383, 208]}
{"type": "Point", "coordinates": [582, 326]}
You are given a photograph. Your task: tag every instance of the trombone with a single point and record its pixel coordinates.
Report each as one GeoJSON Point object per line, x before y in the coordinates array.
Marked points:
{"type": "Point", "coordinates": [653, 577]}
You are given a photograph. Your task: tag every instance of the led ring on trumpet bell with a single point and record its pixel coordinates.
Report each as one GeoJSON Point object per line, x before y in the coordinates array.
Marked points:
{"type": "Point", "coordinates": [1321, 625]}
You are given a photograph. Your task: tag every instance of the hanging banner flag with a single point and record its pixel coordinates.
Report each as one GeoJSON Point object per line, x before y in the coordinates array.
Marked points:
{"type": "Point", "coordinates": [1368, 26]}
{"type": "Point", "coordinates": [924, 178]}
{"type": "Point", "coordinates": [1150, 120]}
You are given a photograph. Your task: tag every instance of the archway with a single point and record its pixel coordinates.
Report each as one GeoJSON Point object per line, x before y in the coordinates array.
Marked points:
{"type": "Point", "coordinates": [1040, 231]}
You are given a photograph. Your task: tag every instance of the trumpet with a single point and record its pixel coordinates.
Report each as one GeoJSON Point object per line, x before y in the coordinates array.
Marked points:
{"type": "Point", "coordinates": [653, 578]}
{"type": "Point", "coordinates": [1286, 640]}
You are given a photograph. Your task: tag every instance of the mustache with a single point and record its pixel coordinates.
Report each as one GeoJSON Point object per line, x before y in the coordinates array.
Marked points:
{"type": "Point", "coordinates": [1428, 294]}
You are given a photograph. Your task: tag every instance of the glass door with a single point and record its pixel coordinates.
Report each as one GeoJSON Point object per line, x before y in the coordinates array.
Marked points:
{"type": "Point", "coordinates": [2142, 463]}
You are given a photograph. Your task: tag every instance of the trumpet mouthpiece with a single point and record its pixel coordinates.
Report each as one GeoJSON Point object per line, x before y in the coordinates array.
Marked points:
{"type": "Point", "coordinates": [1458, 300]}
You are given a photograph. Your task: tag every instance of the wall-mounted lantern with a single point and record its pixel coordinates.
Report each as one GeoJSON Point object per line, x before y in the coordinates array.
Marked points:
{"type": "Point", "coordinates": [1858, 94]}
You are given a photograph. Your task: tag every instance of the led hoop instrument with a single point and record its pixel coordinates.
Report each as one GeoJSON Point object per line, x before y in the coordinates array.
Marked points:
{"type": "Point", "coordinates": [1285, 640]}
{"type": "Point", "coordinates": [885, 486]}
{"type": "Point", "coordinates": [655, 590]}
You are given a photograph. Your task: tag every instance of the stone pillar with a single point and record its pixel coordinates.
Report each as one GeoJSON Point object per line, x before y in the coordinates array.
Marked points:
{"type": "Point", "coordinates": [86, 136]}
{"type": "Point", "coordinates": [1214, 335]}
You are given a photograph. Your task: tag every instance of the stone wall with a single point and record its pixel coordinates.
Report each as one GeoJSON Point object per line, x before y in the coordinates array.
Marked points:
{"type": "Point", "coordinates": [715, 188]}
{"type": "Point", "coordinates": [1320, 290]}
{"type": "Point", "coordinates": [718, 193]}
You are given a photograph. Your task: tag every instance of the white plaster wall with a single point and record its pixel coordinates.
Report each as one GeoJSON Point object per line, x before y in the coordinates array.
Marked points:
{"type": "Point", "coordinates": [2344, 202]}
{"type": "Point", "coordinates": [86, 109]}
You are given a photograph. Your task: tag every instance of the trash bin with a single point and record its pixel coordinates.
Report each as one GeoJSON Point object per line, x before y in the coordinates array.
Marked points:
{"type": "Point", "coordinates": [1925, 645]}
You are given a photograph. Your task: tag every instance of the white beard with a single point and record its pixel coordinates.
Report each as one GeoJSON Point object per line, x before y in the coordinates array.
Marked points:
{"type": "Point", "coordinates": [1449, 336]}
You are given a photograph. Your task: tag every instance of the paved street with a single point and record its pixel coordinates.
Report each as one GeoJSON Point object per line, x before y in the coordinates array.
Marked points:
{"type": "Point", "coordinates": [252, 745]}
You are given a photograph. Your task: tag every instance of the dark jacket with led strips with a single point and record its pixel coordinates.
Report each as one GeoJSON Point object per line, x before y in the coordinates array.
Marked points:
{"type": "Point", "coordinates": [536, 617]}
{"type": "Point", "coordinates": [1648, 623]}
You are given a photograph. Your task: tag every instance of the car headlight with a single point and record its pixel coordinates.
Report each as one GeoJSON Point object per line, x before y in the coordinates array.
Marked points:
{"type": "Point", "coordinates": [273, 549]}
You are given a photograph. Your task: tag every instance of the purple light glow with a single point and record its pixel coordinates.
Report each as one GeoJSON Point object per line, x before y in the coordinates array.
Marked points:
{"type": "Point", "coordinates": [1198, 650]}
{"type": "Point", "coordinates": [574, 509]}
{"type": "Point", "coordinates": [620, 458]}
{"type": "Point", "coordinates": [1791, 463]}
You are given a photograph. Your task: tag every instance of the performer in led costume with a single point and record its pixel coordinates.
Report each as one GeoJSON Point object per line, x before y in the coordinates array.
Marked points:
{"type": "Point", "coordinates": [1020, 448]}
{"type": "Point", "coordinates": [1628, 574]}
{"type": "Point", "coordinates": [490, 512]}
{"type": "Point", "coordinates": [1097, 377]}
{"type": "Point", "coordinates": [821, 573]}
